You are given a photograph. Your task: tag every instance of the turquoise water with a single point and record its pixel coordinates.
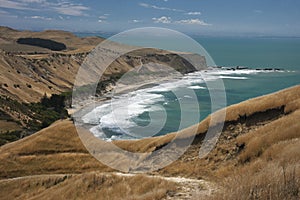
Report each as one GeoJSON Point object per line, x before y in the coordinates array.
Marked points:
{"type": "Point", "coordinates": [254, 52]}
{"type": "Point", "coordinates": [240, 85]}
{"type": "Point", "coordinates": [283, 53]}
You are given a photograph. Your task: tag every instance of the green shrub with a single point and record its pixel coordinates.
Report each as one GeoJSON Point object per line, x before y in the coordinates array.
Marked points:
{"type": "Point", "coordinates": [41, 114]}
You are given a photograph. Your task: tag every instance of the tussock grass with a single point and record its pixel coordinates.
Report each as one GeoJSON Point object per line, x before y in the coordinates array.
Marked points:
{"type": "Point", "coordinates": [56, 149]}
{"type": "Point", "coordinates": [269, 165]}
{"type": "Point", "coordinates": [87, 186]}
{"type": "Point", "coordinates": [275, 175]}
{"type": "Point", "coordinates": [256, 142]}
{"type": "Point", "coordinates": [292, 106]}
{"type": "Point", "coordinates": [284, 152]}
{"type": "Point", "coordinates": [271, 182]}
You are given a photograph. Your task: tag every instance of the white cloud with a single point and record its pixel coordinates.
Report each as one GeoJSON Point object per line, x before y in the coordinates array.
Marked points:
{"type": "Point", "coordinates": [103, 17]}
{"type": "Point", "coordinates": [168, 20]}
{"type": "Point", "coordinates": [193, 13]}
{"type": "Point", "coordinates": [38, 17]}
{"type": "Point", "coordinates": [22, 4]}
{"type": "Point", "coordinates": [145, 5]}
{"type": "Point", "coordinates": [63, 18]}
{"type": "Point", "coordinates": [13, 5]}
{"type": "Point", "coordinates": [193, 21]}
{"type": "Point", "coordinates": [33, 1]}
{"type": "Point", "coordinates": [163, 20]}
{"type": "Point", "coordinates": [71, 9]}
{"type": "Point", "coordinates": [102, 21]}
{"type": "Point", "coordinates": [135, 21]}
{"type": "Point", "coordinates": [64, 7]}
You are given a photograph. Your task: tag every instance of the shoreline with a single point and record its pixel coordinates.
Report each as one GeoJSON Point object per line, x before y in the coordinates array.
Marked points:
{"type": "Point", "coordinates": [123, 89]}
{"type": "Point", "coordinates": [90, 104]}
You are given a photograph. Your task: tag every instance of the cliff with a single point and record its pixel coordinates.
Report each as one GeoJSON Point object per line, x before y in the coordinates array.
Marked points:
{"type": "Point", "coordinates": [33, 64]}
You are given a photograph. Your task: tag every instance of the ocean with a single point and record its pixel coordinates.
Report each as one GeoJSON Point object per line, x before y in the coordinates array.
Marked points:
{"type": "Point", "coordinates": [160, 108]}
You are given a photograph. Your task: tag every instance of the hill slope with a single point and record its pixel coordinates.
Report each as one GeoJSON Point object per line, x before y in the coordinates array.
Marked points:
{"type": "Point", "coordinates": [29, 71]}
{"type": "Point", "coordinates": [257, 154]}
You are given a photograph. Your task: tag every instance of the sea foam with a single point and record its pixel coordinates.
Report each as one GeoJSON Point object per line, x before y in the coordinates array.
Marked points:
{"type": "Point", "coordinates": [117, 114]}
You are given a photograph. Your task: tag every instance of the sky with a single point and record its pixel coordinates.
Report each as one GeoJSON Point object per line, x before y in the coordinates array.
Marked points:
{"type": "Point", "coordinates": [203, 17]}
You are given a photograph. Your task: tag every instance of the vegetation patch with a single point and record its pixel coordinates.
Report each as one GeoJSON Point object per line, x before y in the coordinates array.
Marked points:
{"type": "Point", "coordinates": [47, 111]}
{"type": "Point", "coordinates": [9, 137]}
{"type": "Point", "coordinates": [33, 116]}
{"type": "Point", "coordinates": [44, 43]}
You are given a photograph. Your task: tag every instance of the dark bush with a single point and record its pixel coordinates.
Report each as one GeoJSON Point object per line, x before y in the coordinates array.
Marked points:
{"type": "Point", "coordinates": [9, 137]}
{"type": "Point", "coordinates": [44, 43]}
{"type": "Point", "coordinates": [48, 111]}
{"type": "Point", "coordinates": [16, 86]}
{"type": "Point", "coordinates": [41, 114]}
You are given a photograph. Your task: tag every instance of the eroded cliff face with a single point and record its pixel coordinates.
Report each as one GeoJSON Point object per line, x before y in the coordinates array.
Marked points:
{"type": "Point", "coordinates": [27, 77]}
{"type": "Point", "coordinates": [28, 72]}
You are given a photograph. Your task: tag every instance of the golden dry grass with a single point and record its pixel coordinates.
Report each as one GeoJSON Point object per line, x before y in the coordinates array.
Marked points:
{"type": "Point", "coordinates": [8, 126]}
{"type": "Point", "coordinates": [256, 142]}
{"type": "Point", "coordinates": [275, 175]}
{"type": "Point", "coordinates": [242, 144]}
{"type": "Point", "coordinates": [70, 40]}
{"type": "Point", "coordinates": [269, 165]}
{"type": "Point", "coordinates": [270, 147]}
{"type": "Point", "coordinates": [59, 149]}
{"type": "Point", "coordinates": [56, 149]}
{"type": "Point", "coordinates": [86, 186]}
{"type": "Point", "coordinates": [271, 182]}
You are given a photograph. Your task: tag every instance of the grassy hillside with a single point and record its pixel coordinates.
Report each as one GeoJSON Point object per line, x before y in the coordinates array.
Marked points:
{"type": "Point", "coordinates": [86, 186]}
{"type": "Point", "coordinates": [28, 71]}
{"type": "Point", "coordinates": [256, 157]}
{"type": "Point", "coordinates": [33, 64]}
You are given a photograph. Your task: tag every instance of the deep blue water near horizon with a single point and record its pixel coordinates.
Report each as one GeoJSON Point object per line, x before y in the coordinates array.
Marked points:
{"type": "Point", "coordinates": [283, 53]}
{"type": "Point", "coordinates": [254, 51]}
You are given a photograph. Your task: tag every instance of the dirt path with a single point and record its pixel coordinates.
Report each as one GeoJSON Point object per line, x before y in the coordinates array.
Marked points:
{"type": "Point", "coordinates": [187, 188]}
